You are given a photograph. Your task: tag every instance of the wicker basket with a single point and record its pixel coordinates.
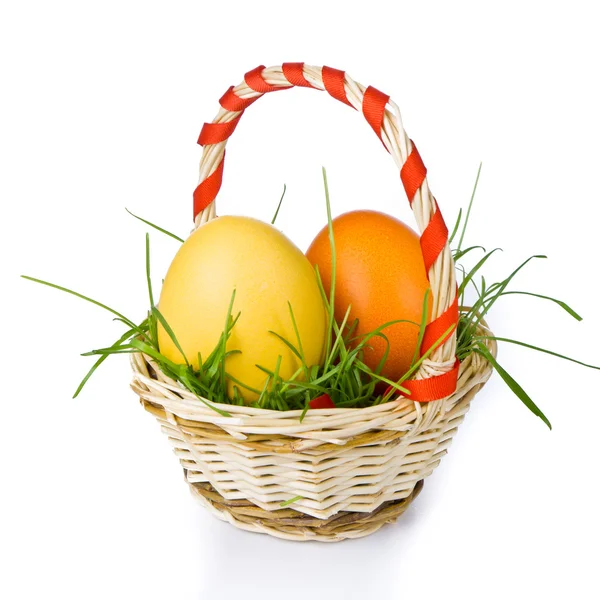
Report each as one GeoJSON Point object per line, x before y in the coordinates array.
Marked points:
{"type": "Point", "coordinates": [350, 471]}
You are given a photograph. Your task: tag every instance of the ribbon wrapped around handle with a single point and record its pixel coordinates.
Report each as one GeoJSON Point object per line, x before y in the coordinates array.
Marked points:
{"type": "Point", "coordinates": [435, 380]}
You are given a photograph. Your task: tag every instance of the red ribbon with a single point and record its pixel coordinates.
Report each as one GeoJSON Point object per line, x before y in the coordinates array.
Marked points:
{"type": "Point", "coordinates": [323, 401]}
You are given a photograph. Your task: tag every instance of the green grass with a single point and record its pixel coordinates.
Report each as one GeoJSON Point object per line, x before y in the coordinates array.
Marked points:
{"type": "Point", "coordinates": [344, 376]}
{"type": "Point", "coordinates": [469, 336]}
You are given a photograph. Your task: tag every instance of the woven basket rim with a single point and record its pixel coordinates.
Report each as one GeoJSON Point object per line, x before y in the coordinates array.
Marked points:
{"type": "Point", "coordinates": [334, 426]}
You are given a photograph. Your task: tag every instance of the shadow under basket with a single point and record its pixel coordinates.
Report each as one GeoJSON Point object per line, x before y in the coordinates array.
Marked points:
{"type": "Point", "coordinates": [347, 471]}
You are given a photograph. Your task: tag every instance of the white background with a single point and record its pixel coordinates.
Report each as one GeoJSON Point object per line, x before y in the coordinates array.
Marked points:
{"type": "Point", "coordinates": [101, 106]}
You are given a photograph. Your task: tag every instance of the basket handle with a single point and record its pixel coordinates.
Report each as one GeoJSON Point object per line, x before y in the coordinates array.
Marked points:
{"type": "Point", "coordinates": [437, 379]}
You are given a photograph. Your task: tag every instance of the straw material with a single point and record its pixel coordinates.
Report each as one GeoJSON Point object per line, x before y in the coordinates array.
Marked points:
{"type": "Point", "coordinates": [360, 466]}
{"type": "Point", "coordinates": [343, 472]}
{"type": "Point", "coordinates": [292, 525]}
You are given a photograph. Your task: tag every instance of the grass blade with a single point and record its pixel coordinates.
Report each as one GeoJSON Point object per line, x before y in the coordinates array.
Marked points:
{"type": "Point", "coordinates": [394, 384]}
{"type": "Point", "coordinates": [458, 254]}
{"type": "Point", "coordinates": [560, 303]}
{"type": "Point", "coordinates": [291, 501]}
{"type": "Point", "coordinates": [224, 338]}
{"type": "Point", "coordinates": [525, 345]}
{"type": "Point", "coordinates": [148, 280]}
{"type": "Point", "coordinates": [469, 276]}
{"type": "Point", "coordinates": [513, 385]}
{"type": "Point", "coordinates": [288, 344]}
{"type": "Point", "coordinates": [118, 343]}
{"type": "Point", "coordinates": [177, 370]}
{"type": "Point", "coordinates": [483, 305]}
{"type": "Point", "coordinates": [141, 329]}
{"type": "Point", "coordinates": [427, 354]}
{"type": "Point", "coordinates": [126, 349]}
{"type": "Point", "coordinates": [263, 393]}
{"type": "Point", "coordinates": [456, 225]}
{"type": "Point", "coordinates": [333, 270]}
{"type": "Point", "coordinates": [385, 355]}
{"type": "Point", "coordinates": [78, 295]}
{"type": "Point", "coordinates": [306, 406]}
{"type": "Point", "coordinates": [464, 229]}
{"type": "Point", "coordinates": [170, 332]}
{"type": "Point", "coordinates": [152, 329]}
{"type": "Point", "coordinates": [338, 344]}
{"type": "Point", "coordinates": [242, 384]}
{"type": "Point", "coordinates": [175, 237]}
{"type": "Point", "coordinates": [299, 340]}
{"type": "Point", "coordinates": [90, 373]}
{"type": "Point", "coordinates": [279, 205]}
{"type": "Point", "coordinates": [417, 364]}
{"type": "Point", "coordinates": [365, 338]}
{"type": "Point", "coordinates": [422, 327]}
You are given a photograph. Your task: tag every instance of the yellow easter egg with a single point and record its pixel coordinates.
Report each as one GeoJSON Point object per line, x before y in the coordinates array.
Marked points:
{"type": "Point", "coordinates": [267, 271]}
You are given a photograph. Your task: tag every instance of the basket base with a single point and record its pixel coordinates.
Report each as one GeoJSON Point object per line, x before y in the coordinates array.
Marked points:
{"type": "Point", "coordinates": [290, 524]}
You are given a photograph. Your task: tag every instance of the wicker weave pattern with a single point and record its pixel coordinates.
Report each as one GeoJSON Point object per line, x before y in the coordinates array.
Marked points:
{"type": "Point", "coordinates": [292, 525]}
{"type": "Point", "coordinates": [338, 460]}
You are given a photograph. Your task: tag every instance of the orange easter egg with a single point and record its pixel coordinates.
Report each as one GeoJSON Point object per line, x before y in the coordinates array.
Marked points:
{"type": "Point", "coordinates": [381, 275]}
